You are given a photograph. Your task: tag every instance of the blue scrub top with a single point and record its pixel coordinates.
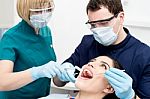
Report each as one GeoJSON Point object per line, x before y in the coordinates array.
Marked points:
{"type": "Point", "coordinates": [131, 53]}
{"type": "Point", "coordinates": [26, 49]}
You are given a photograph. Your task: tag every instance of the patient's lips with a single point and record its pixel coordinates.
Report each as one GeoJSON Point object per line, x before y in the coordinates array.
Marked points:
{"type": "Point", "coordinates": [86, 74]}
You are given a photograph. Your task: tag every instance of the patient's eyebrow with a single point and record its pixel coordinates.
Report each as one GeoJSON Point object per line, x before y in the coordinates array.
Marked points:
{"type": "Point", "coordinates": [105, 63]}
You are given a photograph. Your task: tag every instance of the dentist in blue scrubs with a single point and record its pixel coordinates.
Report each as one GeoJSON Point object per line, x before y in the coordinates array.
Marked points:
{"type": "Point", "coordinates": [111, 38]}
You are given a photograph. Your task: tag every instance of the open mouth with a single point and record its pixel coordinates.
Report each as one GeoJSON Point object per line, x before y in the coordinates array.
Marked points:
{"type": "Point", "coordinates": [87, 74]}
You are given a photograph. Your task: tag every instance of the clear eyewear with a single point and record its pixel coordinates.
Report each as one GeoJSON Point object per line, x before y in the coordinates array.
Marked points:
{"type": "Point", "coordinates": [103, 23]}
{"type": "Point", "coordinates": [50, 9]}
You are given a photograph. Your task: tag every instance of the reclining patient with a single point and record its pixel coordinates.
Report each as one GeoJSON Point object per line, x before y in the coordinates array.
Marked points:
{"type": "Point", "coordinates": [91, 81]}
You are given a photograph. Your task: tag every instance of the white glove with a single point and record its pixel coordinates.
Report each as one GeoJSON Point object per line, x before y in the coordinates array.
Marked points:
{"type": "Point", "coordinates": [49, 70]}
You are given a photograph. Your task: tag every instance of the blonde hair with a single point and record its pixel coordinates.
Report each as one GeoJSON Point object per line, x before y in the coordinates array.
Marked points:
{"type": "Point", "coordinates": [24, 6]}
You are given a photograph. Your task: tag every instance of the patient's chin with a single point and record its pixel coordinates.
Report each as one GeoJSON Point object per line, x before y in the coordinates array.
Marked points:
{"type": "Point", "coordinates": [87, 88]}
{"type": "Point", "coordinates": [81, 84]}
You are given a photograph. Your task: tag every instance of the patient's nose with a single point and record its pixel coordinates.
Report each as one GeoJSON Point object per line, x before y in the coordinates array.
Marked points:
{"type": "Point", "coordinates": [90, 65]}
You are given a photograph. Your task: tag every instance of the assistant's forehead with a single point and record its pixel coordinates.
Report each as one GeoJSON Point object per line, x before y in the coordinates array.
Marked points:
{"type": "Point", "coordinates": [106, 59]}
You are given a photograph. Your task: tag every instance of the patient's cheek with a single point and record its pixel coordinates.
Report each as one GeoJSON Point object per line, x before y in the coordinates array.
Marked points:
{"type": "Point", "coordinates": [105, 81]}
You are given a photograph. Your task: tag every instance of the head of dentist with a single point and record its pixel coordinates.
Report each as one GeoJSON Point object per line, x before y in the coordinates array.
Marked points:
{"type": "Point", "coordinates": [106, 21]}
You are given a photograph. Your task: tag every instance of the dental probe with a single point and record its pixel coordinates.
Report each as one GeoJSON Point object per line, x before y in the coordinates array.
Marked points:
{"type": "Point", "coordinates": [79, 69]}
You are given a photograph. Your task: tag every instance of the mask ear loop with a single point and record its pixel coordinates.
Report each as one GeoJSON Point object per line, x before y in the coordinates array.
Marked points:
{"type": "Point", "coordinates": [118, 28]}
{"type": "Point", "coordinates": [44, 11]}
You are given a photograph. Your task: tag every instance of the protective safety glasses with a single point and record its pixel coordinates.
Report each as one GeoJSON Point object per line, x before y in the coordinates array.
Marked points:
{"type": "Point", "coordinates": [100, 23]}
{"type": "Point", "coordinates": [43, 10]}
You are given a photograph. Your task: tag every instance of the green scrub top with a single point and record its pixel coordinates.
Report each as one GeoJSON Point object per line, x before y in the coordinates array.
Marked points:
{"type": "Point", "coordinates": [26, 49]}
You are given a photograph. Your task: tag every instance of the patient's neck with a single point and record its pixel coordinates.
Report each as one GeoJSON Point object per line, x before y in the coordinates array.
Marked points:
{"type": "Point", "coordinates": [85, 95]}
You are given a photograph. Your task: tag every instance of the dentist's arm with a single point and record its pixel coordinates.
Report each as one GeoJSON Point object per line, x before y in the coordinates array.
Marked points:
{"type": "Point", "coordinates": [10, 80]}
{"type": "Point", "coordinates": [121, 82]}
{"type": "Point", "coordinates": [58, 82]}
{"type": "Point", "coordinates": [67, 75]}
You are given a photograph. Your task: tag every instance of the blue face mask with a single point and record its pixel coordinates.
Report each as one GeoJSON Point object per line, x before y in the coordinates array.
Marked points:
{"type": "Point", "coordinates": [40, 20]}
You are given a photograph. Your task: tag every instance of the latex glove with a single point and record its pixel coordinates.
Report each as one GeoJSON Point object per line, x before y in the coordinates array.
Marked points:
{"type": "Point", "coordinates": [67, 72]}
{"type": "Point", "coordinates": [121, 82]}
{"type": "Point", "coordinates": [49, 70]}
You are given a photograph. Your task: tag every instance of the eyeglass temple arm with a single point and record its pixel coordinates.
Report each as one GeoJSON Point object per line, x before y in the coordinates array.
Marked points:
{"type": "Point", "coordinates": [89, 22]}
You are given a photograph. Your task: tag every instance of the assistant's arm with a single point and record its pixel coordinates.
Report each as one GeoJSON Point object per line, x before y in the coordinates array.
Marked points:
{"type": "Point", "coordinates": [10, 80]}
{"type": "Point", "coordinates": [13, 80]}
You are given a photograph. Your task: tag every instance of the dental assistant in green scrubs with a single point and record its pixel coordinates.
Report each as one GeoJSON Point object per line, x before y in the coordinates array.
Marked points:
{"type": "Point", "coordinates": [27, 57]}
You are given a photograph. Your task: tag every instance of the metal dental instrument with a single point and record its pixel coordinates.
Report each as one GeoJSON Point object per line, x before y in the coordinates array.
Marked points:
{"type": "Point", "coordinates": [79, 69]}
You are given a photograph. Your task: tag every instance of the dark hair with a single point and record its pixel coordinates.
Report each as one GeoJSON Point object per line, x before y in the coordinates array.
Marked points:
{"type": "Point", "coordinates": [119, 66]}
{"type": "Point", "coordinates": [113, 6]}
{"type": "Point", "coordinates": [116, 63]}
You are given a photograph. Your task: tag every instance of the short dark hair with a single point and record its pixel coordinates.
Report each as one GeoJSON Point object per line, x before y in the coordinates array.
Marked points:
{"type": "Point", "coordinates": [113, 6]}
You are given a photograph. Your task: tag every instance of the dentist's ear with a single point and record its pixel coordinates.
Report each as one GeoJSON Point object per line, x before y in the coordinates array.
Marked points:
{"type": "Point", "coordinates": [121, 17]}
{"type": "Point", "coordinates": [108, 89]}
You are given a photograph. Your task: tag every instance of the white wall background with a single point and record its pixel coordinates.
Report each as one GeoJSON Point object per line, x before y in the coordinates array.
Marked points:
{"type": "Point", "coordinates": [68, 25]}
{"type": "Point", "coordinates": [69, 17]}
{"type": "Point", "coordinates": [137, 12]}
{"type": "Point", "coordinates": [6, 13]}
{"type": "Point", "coordinates": [137, 18]}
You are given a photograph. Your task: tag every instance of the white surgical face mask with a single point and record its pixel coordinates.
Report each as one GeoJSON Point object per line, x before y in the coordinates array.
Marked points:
{"type": "Point", "coordinates": [104, 35]}
{"type": "Point", "coordinates": [40, 20]}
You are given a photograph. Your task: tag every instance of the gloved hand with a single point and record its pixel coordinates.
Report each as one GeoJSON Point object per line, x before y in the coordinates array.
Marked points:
{"type": "Point", "coordinates": [67, 72]}
{"type": "Point", "coordinates": [49, 70]}
{"type": "Point", "coordinates": [121, 82]}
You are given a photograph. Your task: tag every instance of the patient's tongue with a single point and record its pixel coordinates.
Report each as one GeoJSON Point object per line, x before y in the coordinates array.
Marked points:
{"type": "Point", "coordinates": [87, 74]}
